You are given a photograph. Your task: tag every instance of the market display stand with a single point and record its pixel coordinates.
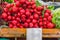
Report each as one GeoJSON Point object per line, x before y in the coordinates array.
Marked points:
{"type": "Point", "coordinates": [21, 33]}
{"type": "Point", "coordinates": [17, 32]}
{"type": "Point", "coordinates": [13, 33]}
{"type": "Point", "coordinates": [51, 33]}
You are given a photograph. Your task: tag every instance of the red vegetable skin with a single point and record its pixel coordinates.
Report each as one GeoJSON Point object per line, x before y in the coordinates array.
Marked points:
{"type": "Point", "coordinates": [17, 3]}
{"type": "Point", "coordinates": [39, 8]}
{"type": "Point", "coordinates": [5, 9]}
{"type": "Point", "coordinates": [14, 22]}
{"type": "Point", "coordinates": [30, 25]}
{"type": "Point", "coordinates": [49, 18]}
{"type": "Point", "coordinates": [46, 15]}
{"type": "Point", "coordinates": [15, 9]}
{"type": "Point", "coordinates": [40, 23]}
{"type": "Point", "coordinates": [36, 25]}
{"type": "Point", "coordinates": [9, 17]}
{"type": "Point", "coordinates": [34, 21]}
{"type": "Point", "coordinates": [8, 6]}
{"type": "Point", "coordinates": [50, 25]}
{"type": "Point", "coordinates": [11, 25]}
{"type": "Point", "coordinates": [31, 17]}
{"type": "Point", "coordinates": [48, 11]}
{"type": "Point", "coordinates": [28, 20]}
{"type": "Point", "coordinates": [4, 15]}
{"type": "Point", "coordinates": [36, 16]}
{"type": "Point", "coordinates": [26, 25]}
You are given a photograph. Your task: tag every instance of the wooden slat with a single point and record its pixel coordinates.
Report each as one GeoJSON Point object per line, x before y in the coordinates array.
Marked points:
{"type": "Point", "coordinates": [51, 33]}
{"type": "Point", "coordinates": [51, 36]}
{"type": "Point", "coordinates": [12, 32]}
{"type": "Point", "coordinates": [17, 32]}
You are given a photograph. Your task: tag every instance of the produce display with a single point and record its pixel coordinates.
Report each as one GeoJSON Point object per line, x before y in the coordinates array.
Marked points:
{"type": "Point", "coordinates": [56, 17]}
{"type": "Point", "coordinates": [26, 14]}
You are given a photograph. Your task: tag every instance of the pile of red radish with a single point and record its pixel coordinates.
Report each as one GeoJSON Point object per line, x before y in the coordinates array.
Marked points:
{"type": "Point", "coordinates": [47, 19]}
{"type": "Point", "coordinates": [25, 14]}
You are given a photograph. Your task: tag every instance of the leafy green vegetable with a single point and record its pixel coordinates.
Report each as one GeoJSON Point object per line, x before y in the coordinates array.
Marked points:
{"type": "Point", "coordinates": [38, 3]}
{"type": "Point", "coordinates": [51, 7]}
{"type": "Point", "coordinates": [9, 1]}
{"type": "Point", "coordinates": [56, 17]}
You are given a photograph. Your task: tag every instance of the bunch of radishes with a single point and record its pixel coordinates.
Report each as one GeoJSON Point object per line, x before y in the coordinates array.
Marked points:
{"type": "Point", "coordinates": [47, 19]}
{"type": "Point", "coordinates": [25, 14]}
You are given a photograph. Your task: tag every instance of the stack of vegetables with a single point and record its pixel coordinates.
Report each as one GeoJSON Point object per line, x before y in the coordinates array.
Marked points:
{"type": "Point", "coordinates": [27, 14]}
{"type": "Point", "coordinates": [56, 17]}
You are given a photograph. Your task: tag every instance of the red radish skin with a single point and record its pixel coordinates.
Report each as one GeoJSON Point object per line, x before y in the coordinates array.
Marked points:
{"type": "Point", "coordinates": [36, 25]}
{"type": "Point", "coordinates": [13, 18]}
{"type": "Point", "coordinates": [29, 6]}
{"type": "Point", "coordinates": [9, 17]}
{"type": "Point", "coordinates": [31, 17]}
{"type": "Point", "coordinates": [34, 21]}
{"type": "Point", "coordinates": [15, 0]}
{"type": "Point", "coordinates": [39, 13]}
{"type": "Point", "coordinates": [8, 6]}
{"type": "Point", "coordinates": [15, 26]}
{"type": "Point", "coordinates": [28, 14]}
{"type": "Point", "coordinates": [26, 25]}
{"type": "Point", "coordinates": [39, 8]}
{"type": "Point", "coordinates": [18, 14]}
{"type": "Point", "coordinates": [46, 15]}
{"type": "Point", "coordinates": [23, 19]}
{"type": "Point", "coordinates": [50, 25]}
{"type": "Point", "coordinates": [20, 8]}
{"type": "Point", "coordinates": [35, 10]}
{"type": "Point", "coordinates": [32, 3]}
{"type": "Point", "coordinates": [40, 20]}
{"type": "Point", "coordinates": [45, 23]}
{"type": "Point", "coordinates": [36, 16]}
{"type": "Point", "coordinates": [11, 25]}
{"type": "Point", "coordinates": [34, 6]}
{"type": "Point", "coordinates": [40, 23]}
{"type": "Point", "coordinates": [45, 19]}
{"type": "Point", "coordinates": [24, 5]}
{"type": "Point", "coordinates": [30, 25]}
{"type": "Point", "coordinates": [28, 20]}
{"type": "Point", "coordinates": [22, 1]}
{"type": "Point", "coordinates": [12, 4]}
{"type": "Point", "coordinates": [25, 14]}
{"type": "Point", "coordinates": [17, 3]}
{"type": "Point", "coordinates": [49, 18]}
{"type": "Point", "coordinates": [31, 11]}
{"type": "Point", "coordinates": [28, 3]}
{"type": "Point", "coordinates": [14, 22]}
{"type": "Point", "coordinates": [5, 9]}
{"type": "Point", "coordinates": [4, 15]}
{"type": "Point", "coordinates": [18, 24]}
{"type": "Point", "coordinates": [41, 17]}
{"type": "Point", "coordinates": [45, 26]}
{"type": "Point", "coordinates": [18, 19]}
{"type": "Point", "coordinates": [5, 3]}
{"type": "Point", "coordinates": [22, 11]}
{"type": "Point", "coordinates": [41, 26]}
{"type": "Point", "coordinates": [48, 11]}
{"type": "Point", "coordinates": [8, 13]}
{"type": "Point", "coordinates": [15, 9]}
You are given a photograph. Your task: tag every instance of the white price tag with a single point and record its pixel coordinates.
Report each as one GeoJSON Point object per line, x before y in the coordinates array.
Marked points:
{"type": "Point", "coordinates": [34, 34]}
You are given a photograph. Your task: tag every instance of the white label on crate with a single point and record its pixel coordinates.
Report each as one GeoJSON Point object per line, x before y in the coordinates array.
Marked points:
{"type": "Point", "coordinates": [34, 34]}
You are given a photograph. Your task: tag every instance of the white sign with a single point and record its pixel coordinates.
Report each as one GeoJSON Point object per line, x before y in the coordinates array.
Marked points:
{"type": "Point", "coordinates": [34, 34]}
